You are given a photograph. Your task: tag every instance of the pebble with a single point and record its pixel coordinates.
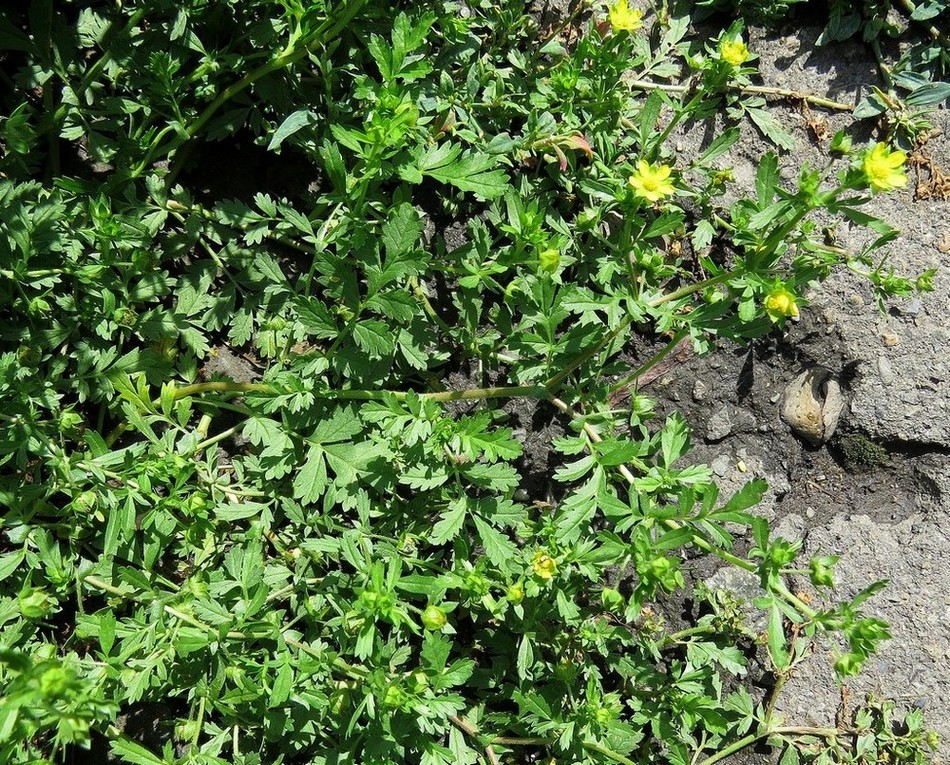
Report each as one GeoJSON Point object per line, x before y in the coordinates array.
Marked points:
{"type": "Point", "coordinates": [885, 370]}
{"type": "Point", "coordinates": [890, 339]}
{"type": "Point", "coordinates": [700, 391]}
{"type": "Point", "coordinates": [720, 425]}
{"type": "Point", "coordinates": [813, 405]}
{"type": "Point", "coordinates": [720, 465]}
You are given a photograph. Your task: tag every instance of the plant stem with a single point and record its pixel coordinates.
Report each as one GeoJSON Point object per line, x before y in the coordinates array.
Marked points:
{"type": "Point", "coordinates": [750, 739]}
{"type": "Point", "coordinates": [471, 731]}
{"type": "Point", "coordinates": [294, 53]}
{"type": "Point", "coordinates": [652, 362]}
{"type": "Point", "coordinates": [610, 754]}
{"type": "Point", "coordinates": [909, 7]}
{"type": "Point", "coordinates": [761, 90]}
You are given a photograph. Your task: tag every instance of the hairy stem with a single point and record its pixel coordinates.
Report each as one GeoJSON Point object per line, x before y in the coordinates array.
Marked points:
{"type": "Point", "coordinates": [761, 90]}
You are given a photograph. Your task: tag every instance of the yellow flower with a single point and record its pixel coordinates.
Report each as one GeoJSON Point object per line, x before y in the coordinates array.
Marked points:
{"type": "Point", "coordinates": [781, 303]}
{"type": "Point", "coordinates": [545, 567]}
{"type": "Point", "coordinates": [734, 52]}
{"type": "Point", "coordinates": [623, 18]}
{"type": "Point", "coordinates": [883, 168]}
{"type": "Point", "coordinates": [652, 183]}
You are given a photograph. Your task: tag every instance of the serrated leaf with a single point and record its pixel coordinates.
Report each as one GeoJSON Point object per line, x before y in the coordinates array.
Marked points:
{"type": "Point", "coordinates": [467, 171]}
{"type": "Point", "coordinates": [402, 230]}
{"type": "Point", "coordinates": [499, 549]}
{"type": "Point", "coordinates": [776, 638]}
{"type": "Point", "coordinates": [374, 338]}
{"type": "Point", "coordinates": [311, 482]}
{"type": "Point", "coordinates": [524, 664]}
{"type": "Point", "coordinates": [771, 128]}
{"type": "Point", "coordinates": [283, 685]}
{"type": "Point", "coordinates": [460, 671]}
{"type": "Point", "coordinates": [578, 509]}
{"type": "Point", "coordinates": [451, 522]}
{"type": "Point", "coordinates": [720, 146]}
{"type": "Point", "coordinates": [315, 317]}
{"type": "Point", "coordinates": [398, 306]}
{"type": "Point", "coordinates": [134, 753]}
{"type": "Point", "coordinates": [766, 178]}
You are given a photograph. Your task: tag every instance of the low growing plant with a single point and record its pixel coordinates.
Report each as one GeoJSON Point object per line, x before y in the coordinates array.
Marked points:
{"type": "Point", "coordinates": [333, 555]}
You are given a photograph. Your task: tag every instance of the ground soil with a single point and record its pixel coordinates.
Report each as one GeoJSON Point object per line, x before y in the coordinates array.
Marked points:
{"type": "Point", "coordinates": [883, 510]}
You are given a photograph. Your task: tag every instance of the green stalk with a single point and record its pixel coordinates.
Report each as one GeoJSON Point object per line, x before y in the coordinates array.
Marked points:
{"type": "Point", "coordinates": [750, 739]}
{"type": "Point", "coordinates": [909, 7]}
{"type": "Point", "coordinates": [294, 53]}
{"type": "Point", "coordinates": [652, 362]}
{"type": "Point", "coordinates": [93, 72]}
{"type": "Point", "coordinates": [610, 754]}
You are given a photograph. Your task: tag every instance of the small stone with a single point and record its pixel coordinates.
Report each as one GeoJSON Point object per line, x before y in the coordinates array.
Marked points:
{"type": "Point", "coordinates": [728, 420]}
{"type": "Point", "coordinates": [943, 243]}
{"type": "Point", "coordinates": [855, 299]}
{"type": "Point", "coordinates": [720, 424]}
{"type": "Point", "coordinates": [890, 339]}
{"type": "Point", "coordinates": [720, 465]}
{"type": "Point", "coordinates": [809, 512]}
{"type": "Point", "coordinates": [813, 405]}
{"type": "Point", "coordinates": [700, 391]}
{"type": "Point", "coordinates": [912, 308]}
{"type": "Point", "coordinates": [885, 370]}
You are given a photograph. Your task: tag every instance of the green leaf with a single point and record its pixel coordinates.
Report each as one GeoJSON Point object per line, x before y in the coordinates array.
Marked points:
{"type": "Point", "coordinates": [134, 753]}
{"type": "Point", "coordinates": [525, 664]}
{"type": "Point", "coordinates": [311, 482]}
{"type": "Point", "coordinates": [578, 508]}
{"type": "Point", "coordinates": [467, 171]}
{"type": "Point", "coordinates": [871, 106]}
{"type": "Point", "coordinates": [283, 685]}
{"type": "Point", "coordinates": [9, 563]}
{"type": "Point", "coordinates": [790, 756]}
{"type": "Point", "coordinates": [776, 638]}
{"type": "Point", "coordinates": [720, 146]}
{"type": "Point", "coordinates": [499, 549]}
{"type": "Point", "coordinates": [293, 122]}
{"type": "Point", "coordinates": [451, 522]}
{"type": "Point", "coordinates": [771, 128]}
{"type": "Point", "coordinates": [107, 630]}
{"type": "Point", "coordinates": [457, 674]}
{"type": "Point", "coordinates": [402, 230]}
{"type": "Point", "coordinates": [931, 94]}
{"type": "Point", "coordinates": [374, 338]}
{"type": "Point", "coordinates": [766, 178]}
{"type": "Point", "coordinates": [120, 527]}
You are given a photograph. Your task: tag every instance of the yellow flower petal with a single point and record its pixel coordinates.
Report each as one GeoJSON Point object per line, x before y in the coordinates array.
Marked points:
{"type": "Point", "coordinates": [883, 168]}
{"type": "Point", "coordinates": [624, 19]}
{"type": "Point", "coordinates": [652, 183]}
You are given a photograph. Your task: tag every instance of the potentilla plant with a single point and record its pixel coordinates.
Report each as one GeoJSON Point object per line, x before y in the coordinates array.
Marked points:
{"type": "Point", "coordinates": [257, 472]}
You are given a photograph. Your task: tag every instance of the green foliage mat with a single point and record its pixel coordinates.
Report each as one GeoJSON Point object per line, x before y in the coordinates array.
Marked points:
{"type": "Point", "coordinates": [328, 554]}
